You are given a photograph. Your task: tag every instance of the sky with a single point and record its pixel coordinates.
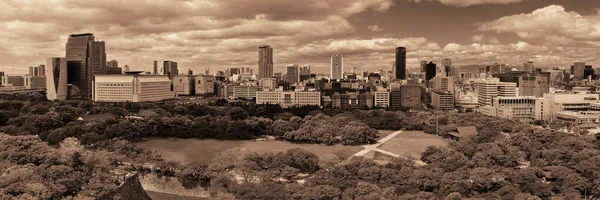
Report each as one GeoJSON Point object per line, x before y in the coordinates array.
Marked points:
{"type": "Point", "coordinates": [219, 34]}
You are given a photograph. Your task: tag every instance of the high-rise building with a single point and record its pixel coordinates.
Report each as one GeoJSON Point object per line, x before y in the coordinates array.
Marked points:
{"type": "Point", "coordinates": [528, 67]}
{"type": "Point", "coordinates": [337, 66]}
{"type": "Point", "coordinates": [170, 69]}
{"type": "Point", "coordinates": [578, 69]}
{"type": "Point", "coordinates": [410, 96]}
{"type": "Point", "coordinates": [85, 58]}
{"type": "Point", "coordinates": [423, 66]}
{"type": "Point", "coordinates": [400, 64]}
{"type": "Point", "coordinates": [56, 81]}
{"type": "Point", "coordinates": [292, 74]}
{"type": "Point", "coordinates": [536, 84]}
{"type": "Point", "coordinates": [1, 78]}
{"type": "Point", "coordinates": [155, 68]}
{"type": "Point", "coordinates": [442, 99]}
{"type": "Point", "coordinates": [443, 83]}
{"type": "Point", "coordinates": [31, 71]}
{"type": "Point", "coordinates": [430, 71]}
{"type": "Point", "coordinates": [205, 84]}
{"type": "Point", "coordinates": [588, 72]}
{"type": "Point", "coordinates": [492, 88]}
{"type": "Point", "coordinates": [112, 64]}
{"type": "Point", "coordinates": [304, 73]}
{"type": "Point", "coordinates": [235, 71]}
{"type": "Point", "coordinates": [447, 66]}
{"type": "Point", "coordinates": [184, 84]}
{"type": "Point", "coordinates": [265, 62]}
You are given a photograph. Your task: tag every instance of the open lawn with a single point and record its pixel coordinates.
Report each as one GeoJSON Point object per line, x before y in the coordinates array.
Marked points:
{"type": "Point", "coordinates": [383, 133]}
{"type": "Point", "coordinates": [412, 143]}
{"type": "Point", "coordinates": [189, 150]}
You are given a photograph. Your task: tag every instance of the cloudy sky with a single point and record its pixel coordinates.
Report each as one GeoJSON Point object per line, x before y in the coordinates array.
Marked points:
{"type": "Point", "coordinates": [217, 34]}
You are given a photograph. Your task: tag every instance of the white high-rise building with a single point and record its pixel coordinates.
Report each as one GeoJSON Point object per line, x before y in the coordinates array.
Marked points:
{"type": "Point", "coordinates": [491, 88]}
{"type": "Point", "coordinates": [337, 66]}
{"type": "Point", "coordinates": [56, 81]}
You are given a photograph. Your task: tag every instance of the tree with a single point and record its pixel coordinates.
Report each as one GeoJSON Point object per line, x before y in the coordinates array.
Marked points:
{"type": "Point", "coordinates": [238, 113]}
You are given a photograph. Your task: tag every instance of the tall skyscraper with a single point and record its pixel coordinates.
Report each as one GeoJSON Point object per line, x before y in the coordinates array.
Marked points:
{"type": "Point", "coordinates": [265, 62]}
{"type": "Point", "coordinates": [292, 74]}
{"type": "Point", "coordinates": [400, 67]}
{"type": "Point", "coordinates": [430, 71]}
{"type": "Point", "coordinates": [588, 72]}
{"type": "Point", "coordinates": [85, 57]}
{"type": "Point", "coordinates": [337, 66]}
{"type": "Point", "coordinates": [170, 69]}
{"type": "Point", "coordinates": [528, 67]}
{"type": "Point", "coordinates": [578, 69]}
{"type": "Point", "coordinates": [155, 69]}
{"type": "Point", "coordinates": [56, 81]}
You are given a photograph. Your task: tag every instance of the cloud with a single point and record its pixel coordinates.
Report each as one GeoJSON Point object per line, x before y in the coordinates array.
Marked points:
{"type": "Point", "coordinates": [550, 25]}
{"type": "Point", "coordinates": [374, 28]}
{"type": "Point", "coordinates": [466, 3]}
{"type": "Point", "coordinates": [477, 38]}
{"type": "Point", "coordinates": [494, 40]}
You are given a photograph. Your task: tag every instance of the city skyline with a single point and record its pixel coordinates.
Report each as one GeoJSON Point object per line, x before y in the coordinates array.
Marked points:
{"type": "Point", "coordinates": [365, 32]}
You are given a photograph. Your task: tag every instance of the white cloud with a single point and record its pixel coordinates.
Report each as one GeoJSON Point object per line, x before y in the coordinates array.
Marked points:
{"type": "Point", "coordinates": [551, 25]}
{"type": "Point", "coordinates": [494, 40]}
{"type": "Point", "coordinates": [374, 28]}
{"type": "Point", "coordinates": [466, 3]}
{"type": "Point", "coordinates": [477, 38]}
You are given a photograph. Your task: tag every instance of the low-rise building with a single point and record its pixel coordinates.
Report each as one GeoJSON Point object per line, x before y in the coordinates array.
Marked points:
{"type": "Point", "coordinates": [131, 88]}
{"type": "Point", "coordinates": [381, 99]}
{"type": "Point", "coordinates": [288, 98]}
{"type": "Point", "coordinates": [205, 84]}
{"type": "Point", "coordinates": [352, 100]}
{"type": "Point", "coordinates": [244, 92]}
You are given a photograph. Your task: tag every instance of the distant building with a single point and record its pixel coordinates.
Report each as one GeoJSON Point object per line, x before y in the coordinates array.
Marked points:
{"type": "Point", "coordinates": [244, 92]}
{"type": "Point", "coordinates": [534, 85]}
{"type": "Point", "coordinates": [447, 67]}
{"type": "Point", "coordinates": [131, 88]}
{"type": "Point", "coordinates": [492, 88]}
{"type": "Point", "coordinates": [205, 84]}
{"type": "Point", "coordinates": [423, 66]}
{"type": "Point", "coordinates": [268, 83]}
{"type": "Point", "coordinates": [352, 100]}
{"type": "Point", "coordinates": [381, 99]}
{"type": "Point", "coordinates": [528, 67]}
{"type": "Point", "coordinates": [304, 73]}
{"type": "Point", "coordinates": [184, 85]}
{"type": "Point", "coordinates": [400, 63]}
{"type": "Point", "coordinates": [442, 99]}
{"type": "Point", "coordinates": [112, 64]}
{"type": "Point", "coordinates": [578, 70]}
{"type": "Point", "coordinates": [337, 66]}
{"type": "Point", "coordinates": [265, 62]}
{"type": "Point", "coordinates": [410, 96]}
{"type": "Point", "coordinates": [396, 98]}
{"type": "Point", "coordinates": [36, 82]}
{"type": "Point", "coordinates": [170, 69]}
{"type": "Point", "coordinates": [56, 81]}
{"type": "Point", "coordinates": [14, 80]}
{"type": "Point", "coordinates": [443, 83]}
{"type": "Point", "coordinates": [430, 71]}
{"type": "Point", "coordinates": [288, 99]}
{"type": "Point", "coordinates": [292, 74]}
{"type": "Point", "coordinates": [518, 108]}
{"type": "Point", "coordinates": [85, 58]}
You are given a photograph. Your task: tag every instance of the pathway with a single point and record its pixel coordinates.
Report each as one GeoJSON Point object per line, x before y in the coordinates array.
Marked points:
{"type": "Point", "coordinates": [375, 147]}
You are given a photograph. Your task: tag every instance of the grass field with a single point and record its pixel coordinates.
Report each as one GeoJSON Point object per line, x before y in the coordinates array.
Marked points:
{"type": "Point", "coordinates": [412, 143]}
{"type": "Point", "coordinates": [164, 196]}
{"type": "Point", "coordinates": [189, 150]}
{"type": "Point", "coordinates": [383, 133]}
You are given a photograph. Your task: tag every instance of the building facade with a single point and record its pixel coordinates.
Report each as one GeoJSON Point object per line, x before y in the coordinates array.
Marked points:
{"type": "Point", "coordinates": [337, 66]}
{"type": "Point", "coordinates": [184, 85]}
{"type": "Point", "coordinates": [244, 92]}
{"type": "Point", "coordinates": [381, 99]}
{"type": "Point", "coordinates": [443, 83]}
{"type": "Point", "coordinates": [491, 88]}
{"type": "Point", "coordinates": [80, 57]}
{"type": "Point", "coordinates": [442, 99]}
{"type": "Point", "coordinates": [410, 97]}
{"type": "Point", "coordinates": [400, 63]}
{"type": "Point", "coordinates": [131, 88]}
{"type": "Point", "coordinates": [56, 81]}
{"type": "Point", "coordinates": [265, 62]}
{"type": "Point", "coordinates": [170, 69]}
{"type": "Point", "coordinates": [288, 99]}
{"type": "Point", "coordinates": [292, 74]}
{"type": "Point", "coordinates": [205, 84]}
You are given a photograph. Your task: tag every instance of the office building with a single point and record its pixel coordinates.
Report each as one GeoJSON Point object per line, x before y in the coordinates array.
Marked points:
{"type": "Point", "coordinates": [442, 83]}
{"type": "Point", "coordinates": [14, 80]}
{"type": "Point", "coordinates": [205, 84]}
{"type": "Point", "coordinates": [430, 71]}
{"type": "Point", "coordinates": [381, 99]}
{"type": "Point", "coordinates": [155, 68]}
{"type": "Point", "coordinates": [265, 62]}
{"type": "Point", "coordinates": [395, 98]}
{"type": "Point", "coordinates": [455, 72]}
{"type": "Point", "coordinates": [491, 88]}
{"type": "Point", "coordinates": [268, 83]}
{"type": "Point", "coordinates": [112, 64]}
{"type": "Point", "coordinates": [520, 108]}
{"type": "Point", "coordinates": [423, 66]}
{"type": "Point", "coordinates": [244, 92]}
{"type": "Point", "coordinates": [288, 99]}
{"type": "Point", "coordinates": [1, 78]}
{"type": "Point", "coordinates": [292, 74]}
{"type": "Point", "coordinates": [184, 84]}
{"type": "Point", "coordinates": [304, 73]}
{"type": "Point", "coordinates": [337, 66]}
{"type": "Point", "coordinates": [400, 63]}
{"type": "Point", "coordinates": [85, 58]}
{"type": "Point", "coordinates": [588, 72]}
{"type": "Point", "coordinates": [410, 96]}
{"type": "Point", "coordinates": [170, 69]}
{"type": "Point", "coordinates": [352, 100]}
{"type": "Point", "coordinates": [528, 67]}
{"type": "Point", "coordinates": [131, 88]}
{"type": "Point", "coordinates": [35, 82]}
{"type": "Point", "coordinates": [56, 81]}
{"type": "Point", "coordinates": [446, 67]}
{"type": "Point", "coordinates": [442, 99]}
{"type": "Point", "coordinates": [535, 85]}
{"type": "Point", "coordinates": [577, 70]}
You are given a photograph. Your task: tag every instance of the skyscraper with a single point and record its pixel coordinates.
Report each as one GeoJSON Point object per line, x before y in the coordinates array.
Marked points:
{"type": "Point", "coordinates": [423, 65]}
{"type": "Point", "coordinates": [430, 71]}
{"type": "Point", "coordinates": [337, 66]}
{"type": "Point", "coordinates": [170, 69]}
{"type": "Point", "coordinates": [84, 57]}
{"type": "Point", "coordinates": [292, 74]}
{"type": "Point", "coordinates": [155, 69]}
{"type": "Point", "coordinates": [265, 62]}
{"type": "Point", "coordinates": [304, 73]}
{"type": "Point", "coordinates": [56, 81]}
{"type": "Point", "coordinates": [578, 69]}
{"type": "Point", "coordinates": [528, 66]}
{"type": "Point", "coordinates": [400, 67]}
